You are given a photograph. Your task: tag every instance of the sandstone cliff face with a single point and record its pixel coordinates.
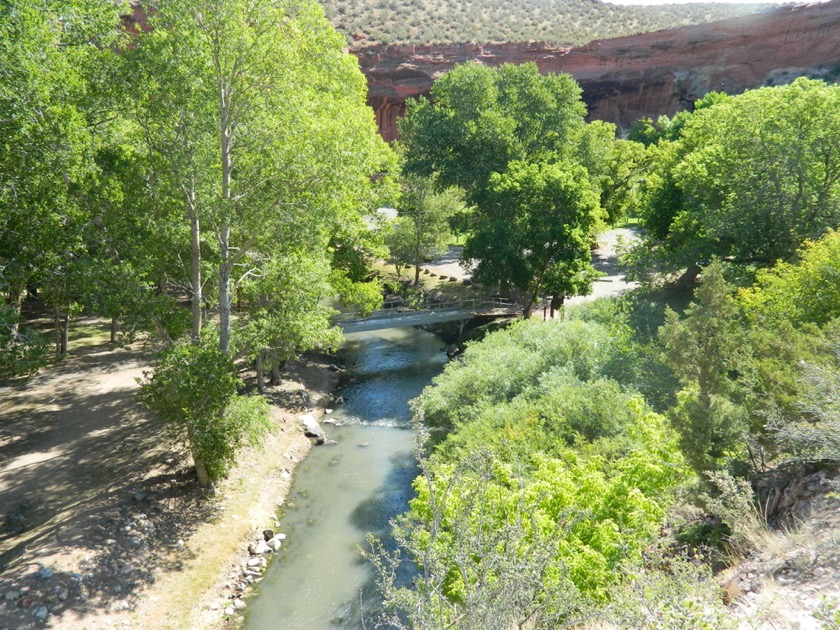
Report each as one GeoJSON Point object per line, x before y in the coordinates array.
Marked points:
{"type": "Point", "coordinates": [627, 78]}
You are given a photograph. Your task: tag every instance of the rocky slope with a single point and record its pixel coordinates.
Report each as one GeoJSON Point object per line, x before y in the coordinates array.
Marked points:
{"type": "Point", "coordinates": [626, 78]}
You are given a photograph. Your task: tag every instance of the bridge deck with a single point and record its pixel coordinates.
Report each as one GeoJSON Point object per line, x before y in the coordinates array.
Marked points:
{"type": "Point", "coordinates": [383, 319]}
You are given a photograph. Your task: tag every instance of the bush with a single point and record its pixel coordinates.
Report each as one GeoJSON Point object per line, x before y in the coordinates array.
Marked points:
{"type": "Point", "coordinates": [194, 389]}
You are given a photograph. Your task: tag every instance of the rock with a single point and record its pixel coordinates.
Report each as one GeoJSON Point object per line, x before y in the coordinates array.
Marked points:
{"type": "Point", "coordinates": [268, 534]}
{"type": "Point", "coordinates": [328, 411]}
{"type": "Point", "coordinates": [253, 562]}
{"type": "Point", "coordinates": [41, 613]}
{"type": "Point", "coordinates": [215, 606]}
{"type": "Point", "coordinates": [140, 496]}
{"type": "Point", "coordinates": [258, 547]}
{"type": "Point", "coordinates": [274, 543]}
{"type": "Point", "coordinates": [312, 429]}
{"type": "Point", "coordinates": [238, 604]}
{"type": "Point", "coordinates": [329, 443]}
{"type": "Point", "coordinates": [452, 350]}
{"type": "Point", "coordinates": [230, 611]}
{"type": "Point", "coordinates": [44, 573]}
{"type": "Point", "coordinates": [12, 596]}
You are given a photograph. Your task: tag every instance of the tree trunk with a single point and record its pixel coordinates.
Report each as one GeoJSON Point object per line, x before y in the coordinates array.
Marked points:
{"type": "Point", "coordinates": [258, 365]}
{"type": "Point", "coordinates": [16, 302]}
{"type": "Point", "coordinates": [275, 373]}
{"type": "Point", "coordinates": [63, 333]}
{"type": "Point", "coordinates": [195, 272]}
{"type": "Point", "coordinates": [113, 329]}
{"type": "Point", "coordinates": [201, 471]}
{"type": "Point", "coordinates": [689, 278]}
{"type": "Point", "coordinates": [416, 275]}
{"type": "Point", "coordinates": [224, 290]}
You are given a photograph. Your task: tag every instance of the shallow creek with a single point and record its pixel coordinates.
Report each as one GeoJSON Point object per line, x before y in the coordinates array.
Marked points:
{"type": "Point", "coordinates": [319, 581]}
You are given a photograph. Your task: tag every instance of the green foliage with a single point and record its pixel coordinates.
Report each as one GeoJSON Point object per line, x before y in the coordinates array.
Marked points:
{"type": "Point", "coordinates": [421, 230]}
{"type": "Point", "coordinates": [531, 230]}
{"type": "Point", "coordinates": [806, 290]}
{"type": "Point", "coordinates": [706, 350]}
{"type": "Point", "coordinates": [749, 178]}
{"type": "Point", "coordinates": [549, 477]}
{"type": "Point", "coordinates": [22, 350]}
{"type": "Point", "coordinates": [516, 142]}
{"type": "Point", "coordinates": [194, 389]}
{"type": "Point", "coordinates": [814, 434]}
{"type": "Point", "coordinates": [669, 592]}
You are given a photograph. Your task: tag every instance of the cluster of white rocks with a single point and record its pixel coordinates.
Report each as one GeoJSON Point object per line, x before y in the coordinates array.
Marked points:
{"type": "Point", "coordinates": [251, 570]}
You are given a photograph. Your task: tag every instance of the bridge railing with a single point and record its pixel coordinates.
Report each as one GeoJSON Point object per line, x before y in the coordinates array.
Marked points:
{"type": "Point", "coordinates": [400, 311]}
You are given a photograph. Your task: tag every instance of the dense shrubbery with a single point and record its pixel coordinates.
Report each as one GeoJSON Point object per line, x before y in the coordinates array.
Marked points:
{"type": "Point", "coordinates": [547, 476]}
{"type": "Point", "coordinates": [569, 22]}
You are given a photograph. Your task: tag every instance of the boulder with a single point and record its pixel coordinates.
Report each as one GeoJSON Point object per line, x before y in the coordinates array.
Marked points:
{"type": "Point", "coordinates": [312, 429]}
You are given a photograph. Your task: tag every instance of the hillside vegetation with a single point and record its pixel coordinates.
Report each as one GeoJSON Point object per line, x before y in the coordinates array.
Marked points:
{"type": "Point", "coordinates": [555, 21]}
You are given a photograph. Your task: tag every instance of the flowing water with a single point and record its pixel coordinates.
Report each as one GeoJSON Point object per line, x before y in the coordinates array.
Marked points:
{"type": "Point", "coordinates": [318, 581]}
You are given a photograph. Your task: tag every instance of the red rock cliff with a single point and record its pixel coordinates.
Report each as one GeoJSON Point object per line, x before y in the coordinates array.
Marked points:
{"type": "Point", "coordinates": [626, 78]}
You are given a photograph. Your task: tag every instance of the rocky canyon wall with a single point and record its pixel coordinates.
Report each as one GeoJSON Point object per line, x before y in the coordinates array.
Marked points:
{"type": "Point", "coordinates": [626, 78]}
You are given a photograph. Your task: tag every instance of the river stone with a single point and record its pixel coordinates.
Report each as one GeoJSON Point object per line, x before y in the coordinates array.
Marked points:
{"type": "Point", "coordinates": [11, 596]}
{"type": "Point", "coordinates": [274, 543]}
{"type": "Point", "coordinates": [268, 534]}
{"type": "Point", "coordinates": [41, 613]}
{"type": "Point", "coordinates": [229, 611]}
{"type": "Point", "coordinates": [44, 573]}
{"type": "Point", "coordinates": [259, 547]}
{"type": "Point", "coordinates": [238, 604]}
{"type": "Point", "coordinates": [254, 562]}
{"type": "Point", "coordinates": [312, 429]}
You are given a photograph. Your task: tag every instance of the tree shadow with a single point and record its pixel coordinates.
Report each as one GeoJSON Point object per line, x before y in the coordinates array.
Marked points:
{"type": "Point", "coordinates": [94, 496]}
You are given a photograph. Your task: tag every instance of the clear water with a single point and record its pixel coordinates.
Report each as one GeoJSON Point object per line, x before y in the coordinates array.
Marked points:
{"type": "Point", "coordinates": [318, 580]}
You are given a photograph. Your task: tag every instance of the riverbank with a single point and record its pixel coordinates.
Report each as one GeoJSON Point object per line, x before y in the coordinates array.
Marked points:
{"type": "Point", "coordinates": [103, 525]}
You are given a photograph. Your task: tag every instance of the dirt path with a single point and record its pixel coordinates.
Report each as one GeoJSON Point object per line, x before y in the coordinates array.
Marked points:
{"type": "Point", "coordinates": [101, 522]}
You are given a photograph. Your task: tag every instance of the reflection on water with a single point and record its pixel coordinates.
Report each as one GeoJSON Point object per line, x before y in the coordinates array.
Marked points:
{"type": "Point", "coordinates": [342, 492]}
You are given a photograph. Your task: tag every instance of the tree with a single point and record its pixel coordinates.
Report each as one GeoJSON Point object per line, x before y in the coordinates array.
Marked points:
{"type": "Point", "coordinates": [422, 226]}
{"type": "Point", "coordinates": [749, 178]}
{"type": "Point", "coordinates": [50, 50]}
{"type": "Point", "coordinates": [532, 230]}
{"type": "Point", "coordinates": [707, 351]}
{"type": "Point", "coordinates": [480, 119]}
{"type": "Point", "coordinates": [504, 135]}
{"type": "Point", "coordinates": [256, 121]}
{"type": "Point", "coordinates": [193, 388]}
{"type": "Point", "coordinates": [800, 292]}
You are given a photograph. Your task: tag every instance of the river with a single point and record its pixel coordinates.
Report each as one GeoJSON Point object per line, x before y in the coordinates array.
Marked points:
{"type": "Point", "coordinates": [318, 580]}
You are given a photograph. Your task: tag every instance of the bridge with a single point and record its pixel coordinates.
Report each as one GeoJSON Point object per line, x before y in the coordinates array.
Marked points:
{"type": "Point", "coordinates": [430, 313]}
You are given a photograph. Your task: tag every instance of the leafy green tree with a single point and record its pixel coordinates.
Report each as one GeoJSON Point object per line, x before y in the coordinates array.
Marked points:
{"type": "Point", "coordinates": [256, 120]}
{"type": "Point", "coordinates": [421, 229]}
{"type": "Point", "coordinates": [800, 292]}
{"type": "Point", "coordinates": [282, 313]}
{"type": "Point", "coordinates": [194, 389]}
{"type": "Point", "coordinates": [517, 143]}
{"type": "Point", "coordinates": [532, 231]}
{"type": "Point", "coordinates": [50, 51]}
{"type": "Point", "coordinates": [749, 178]}
{"type": "Point", "coordinates": [480, 119]}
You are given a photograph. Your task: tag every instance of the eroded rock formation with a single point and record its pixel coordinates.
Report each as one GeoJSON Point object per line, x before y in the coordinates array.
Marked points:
{"type": "Point", "coordinates": [626, 78]}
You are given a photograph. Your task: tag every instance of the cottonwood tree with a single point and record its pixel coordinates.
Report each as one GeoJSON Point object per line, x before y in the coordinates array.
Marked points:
{"type": "Point", "coordinates": [495, 132]}
{"type": "Point", "coordinates": [748, 178]}
{"type": "Point", "coordinates": [50, 50]}
{"type": "Point", "coordinates": [532, 230]}
{"type": "Point", "coordinates": [256, 120]}
{"type": "Point", "coordinates": [421, 229]}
